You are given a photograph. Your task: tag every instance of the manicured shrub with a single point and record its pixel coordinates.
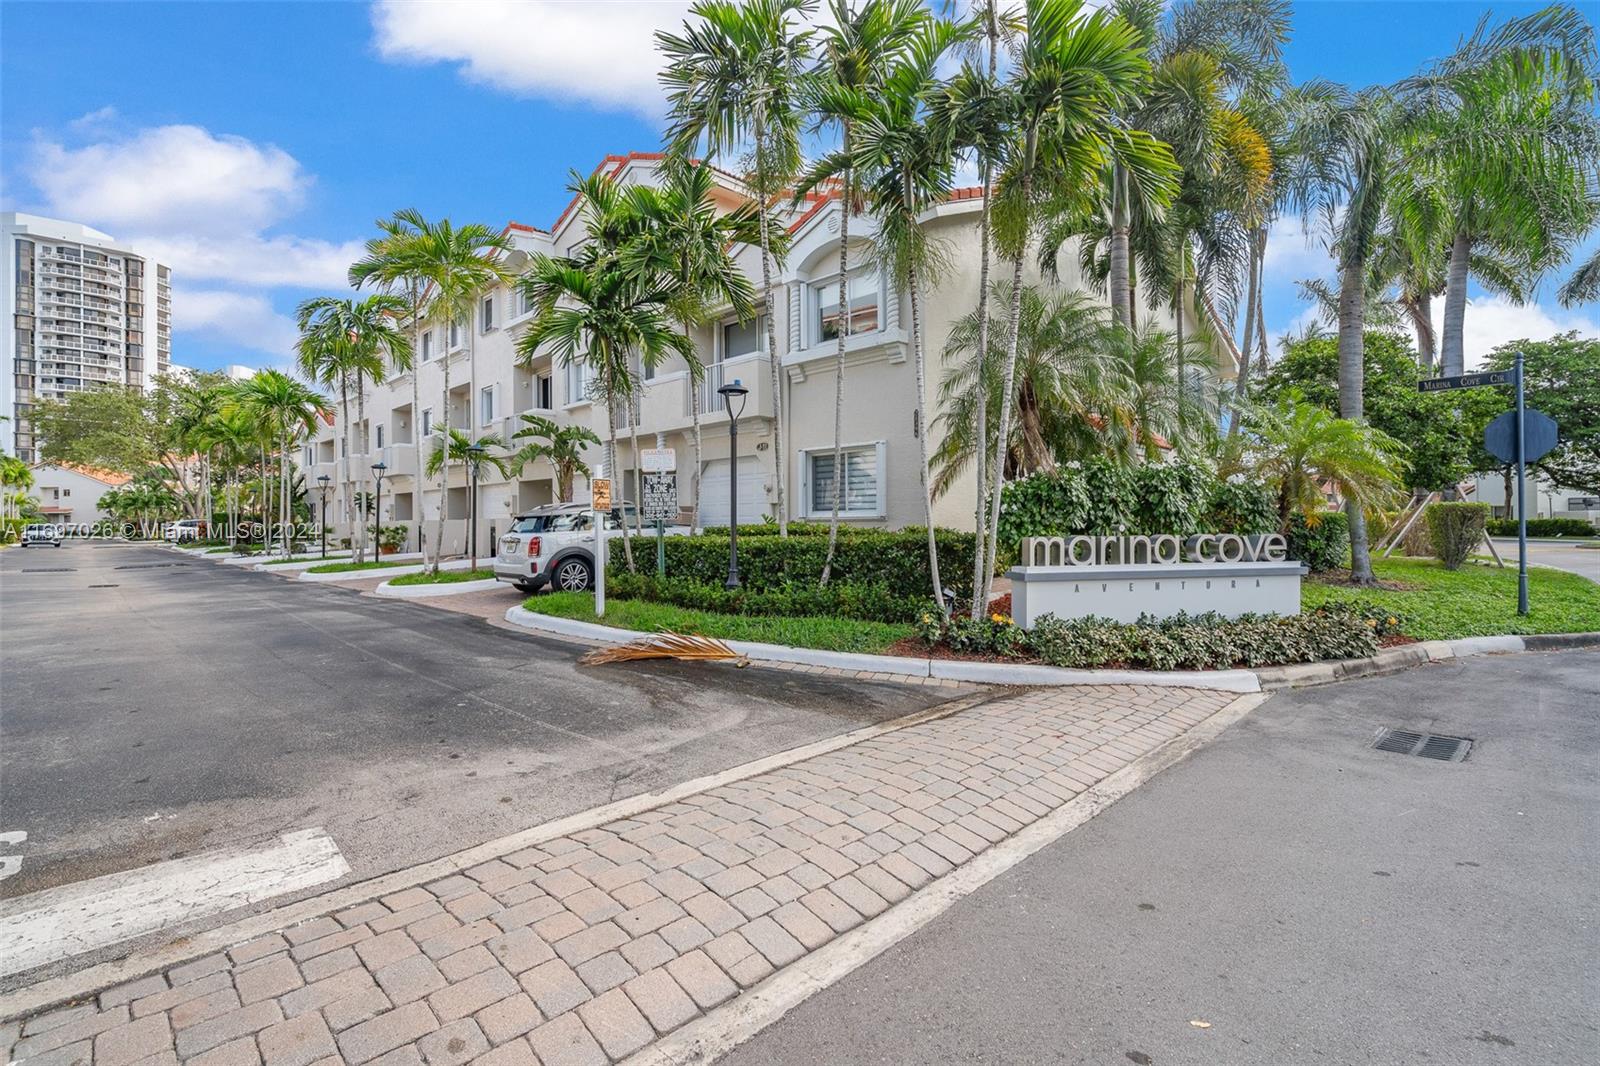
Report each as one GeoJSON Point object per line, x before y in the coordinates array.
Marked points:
{"type": "Point", "coordinates": [1100, 498]}
{"type": "Point", "coordinates": [1544, 527]}
{"type": "Point", "coordinates": [1183, 642]}
{"type": "Point", "coordinates": [894, 561]}
{"type": "Point", "coordinates": [867, 603]}
{"type": "Point", "coordinates": [1322, 542]}
{"type": "Point", "coordinates": [1454, 530]}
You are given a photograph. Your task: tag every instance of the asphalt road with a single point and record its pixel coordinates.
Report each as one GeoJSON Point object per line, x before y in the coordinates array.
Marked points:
{"type": "Point", "coordinates": [1313, 900]}
{"type": "Point", "coordinates": [1569, 557]}
{"type": "Point", "coordinates": [157, 705]}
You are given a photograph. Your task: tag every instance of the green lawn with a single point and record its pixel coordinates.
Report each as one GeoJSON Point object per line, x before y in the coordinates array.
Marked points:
{"type": "Point", "coordinates": [1475, 601]}
{"type": "Point", "coordinates": [297, 559]}
{"type": "Point", "coordinates": [829, 634]}
{"type": "Point", "coordinates": [444, 577]}
{"type": "Point", "coordinates": [342, 568]}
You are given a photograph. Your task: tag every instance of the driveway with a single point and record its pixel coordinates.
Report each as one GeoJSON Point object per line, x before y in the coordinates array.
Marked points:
{"type": "Point", "coordinates": [1569, 557]}
{"type": "Point", "coordinates": [157, 705]}
{"type": "Point", "coordinates": [1287, 895]}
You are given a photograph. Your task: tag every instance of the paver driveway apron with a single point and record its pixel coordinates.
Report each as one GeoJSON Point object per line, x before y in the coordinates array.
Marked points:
{"type": "Point", "coordinates": [587, 947]}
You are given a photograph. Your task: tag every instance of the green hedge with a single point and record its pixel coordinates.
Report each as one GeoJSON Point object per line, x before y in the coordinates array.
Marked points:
{"type": "Point", "coordinates": [896, 562]}
{"type": "Point", "coordinates": [11, 530]}
{"type": "Point", "coordinates": [1544, 527]}
{"type": "Point", "coordinates": [1322, 546]}
{"type": "Point", "coordinates": [1099, 498]}
{"type": "Point", "coordinates": [866, 603]}
{"type": "Point", "coordinates": [1183, 642]}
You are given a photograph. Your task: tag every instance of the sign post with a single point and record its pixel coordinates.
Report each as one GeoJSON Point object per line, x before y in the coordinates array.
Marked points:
{"type": "Point", "coordinates": [600, 501]}
{"type": "Point", "coordinates": [660, 495]}
{"type": "Point", "coordinates": [1519, 436]}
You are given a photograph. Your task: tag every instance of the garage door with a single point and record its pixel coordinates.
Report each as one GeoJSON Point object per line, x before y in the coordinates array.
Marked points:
{"type": "Point", "coordinates": [752, 492]}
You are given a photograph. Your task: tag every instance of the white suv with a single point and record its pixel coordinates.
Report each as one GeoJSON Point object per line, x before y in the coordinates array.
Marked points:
{"type": "Point", "coordinates": [554, 546]}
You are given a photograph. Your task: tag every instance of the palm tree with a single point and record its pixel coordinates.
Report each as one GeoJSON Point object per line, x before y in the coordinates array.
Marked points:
{"type": "Point", "coordinates": [284, 408]}
{"type": "Point", "coordinates": [562, 446]}
{"type": "Point", "coordinates": [16, 477]}
{"type": "Point", "coordinates": [449, 265]}
{"type": "Point", "coordinates": [683, 245]}
{"type": "Point", "coordinates": [903, 162]}
{"type": "Point", "coordinates": [454, 446]}
{"type": "Point", "coordinates": [739, 76]}
{"type": "Point", "coordinates": [1297, 448]}
{"type": "Point", "coordinates": [1584, 285]}
{"type": "Point", "coordinates": [600, 311]}
{"type": "Point", "coordinates": [1074, 71]}
{"type": "Point", "coordinates": [1505, 129]}
{"type": "Point", "coordinates": [859, 52]}
{"type": "Point", "coordinates": [1344, 138]}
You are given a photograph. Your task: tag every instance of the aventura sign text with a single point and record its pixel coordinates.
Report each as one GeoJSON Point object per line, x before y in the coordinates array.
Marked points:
{"type": "Point", "coordinates": [1162, 549]}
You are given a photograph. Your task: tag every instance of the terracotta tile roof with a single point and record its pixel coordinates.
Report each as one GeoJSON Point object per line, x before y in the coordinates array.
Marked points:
{"type": "Point", "coordinates": [100, 474]}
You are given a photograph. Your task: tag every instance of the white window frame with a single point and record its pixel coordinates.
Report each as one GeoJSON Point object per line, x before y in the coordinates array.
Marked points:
{"type": "Point", "coordinates": [427, 345]}
{"type": "Point", "coordinates": [815, 290]}
{"type": "Point", "coordinates": [575, 376]}
{"type": "Point", "coordinates": [486, 393]}
{"type": "Point", "coordinates": [486, 314]}
{"type": "Point", "coordinates": [455, 334]}
{"type": "Point", "coordinates": [379, 430]}
{"type": "Point", "coordinates": [881, 497]}
{"type": "Point", "coordinates": [427, 422]}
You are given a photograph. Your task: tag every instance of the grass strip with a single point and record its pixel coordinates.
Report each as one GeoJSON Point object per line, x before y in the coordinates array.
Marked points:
{"type": "Point", "coordinates": [443, 577]}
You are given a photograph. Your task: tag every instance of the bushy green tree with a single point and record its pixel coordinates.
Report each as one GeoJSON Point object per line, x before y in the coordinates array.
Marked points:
{"type": "Point", "coordinates": [1563, 381]}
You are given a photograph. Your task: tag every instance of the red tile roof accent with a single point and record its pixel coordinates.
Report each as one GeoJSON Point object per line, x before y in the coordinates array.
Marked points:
{"type": "Point", "coordinates": [108, 477]}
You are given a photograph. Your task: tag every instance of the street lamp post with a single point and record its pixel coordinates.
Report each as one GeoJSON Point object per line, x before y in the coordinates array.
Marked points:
{"type": "Point", "coordinates": [322, 484]}
{"type": "Point", "coordinates": [730, 392]}
{"type": "Point", "coordinates": [475, 454]}
{"type": "Point", "coordinates": [378, 470]}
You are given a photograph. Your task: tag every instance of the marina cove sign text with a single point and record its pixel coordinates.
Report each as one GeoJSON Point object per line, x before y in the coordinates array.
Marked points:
{"type": "Point", "coordinates": [1161, 549]}
{"type": "Point", "coordinates": [1130, 577]}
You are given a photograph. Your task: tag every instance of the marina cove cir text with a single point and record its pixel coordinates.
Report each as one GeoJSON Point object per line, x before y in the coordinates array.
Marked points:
{"type": "Point", "coordinates": [1161, 549]}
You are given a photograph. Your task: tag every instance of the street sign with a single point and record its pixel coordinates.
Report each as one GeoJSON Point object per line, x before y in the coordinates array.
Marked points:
{"type": "Point", "coordinates": [660, 497]}
{"type": "Point", "coordinates": [1539, 433]}
{"type": "Point", "coordinates": [658, 460]}
{"type": "Point", "coordinates": [600, 493]}
{"type": "Point", "coordinates": [1468, 381]}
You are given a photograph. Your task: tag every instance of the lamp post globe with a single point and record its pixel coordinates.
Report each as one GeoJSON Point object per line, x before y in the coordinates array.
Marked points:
{"type": "Point", "coordinates": [322, 485]}
{"type": "Point", "coordinates": [378, 471]}
{"type": "Point", "coordinates": [730, 392]}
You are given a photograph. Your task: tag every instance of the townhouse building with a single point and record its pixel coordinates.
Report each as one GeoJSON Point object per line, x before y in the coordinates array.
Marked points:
{"type": "Point", "coordinates": [490, 390]}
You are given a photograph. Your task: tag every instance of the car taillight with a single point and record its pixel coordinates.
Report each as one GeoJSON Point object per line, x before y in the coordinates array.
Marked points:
{"type": "Point", "coordinates": [533, 547]}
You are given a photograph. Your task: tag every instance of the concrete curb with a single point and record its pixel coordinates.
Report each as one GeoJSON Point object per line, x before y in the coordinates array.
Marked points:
{"type": "Point", "coordinates": [425, 592]}
{"type": "Point", "coordinates": [944, 669]}
{"type": "Point", "coordinates": [1561, 641]}
{"type": "Point", "coordinates": [384, 571]}
{"type": "Point", "coordinates": [304, 564]}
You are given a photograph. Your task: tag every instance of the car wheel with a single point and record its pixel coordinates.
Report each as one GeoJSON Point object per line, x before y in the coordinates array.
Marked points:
{"type": "Point", "coordinates": [573, 575]}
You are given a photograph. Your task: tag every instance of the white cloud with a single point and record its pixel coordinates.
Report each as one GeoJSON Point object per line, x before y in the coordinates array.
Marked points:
{"type": "Point", "coordinates": [1293, 255]}
{"type": "Point", "coordinates": [255, 260]}
{"type": "Point", "coordinates": [170, 179]}
{"type": "Point", "coordinates": [245, 319]}
{"type": "Point", "coordinates": [600, 54]}
{"type": "Point", "coordinates": [96, 119]}
{"type": "Point", "coordinates": [1495, 320]}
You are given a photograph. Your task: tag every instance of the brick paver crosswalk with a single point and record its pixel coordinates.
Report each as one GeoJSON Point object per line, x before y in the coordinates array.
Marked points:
{"type": "Point", "coordinates": [588, 947]}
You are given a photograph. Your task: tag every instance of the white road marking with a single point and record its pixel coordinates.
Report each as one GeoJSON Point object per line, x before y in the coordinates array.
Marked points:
{"type": "Point", "coordinates": [61, 922]}
{"type": "Point", "coordinates": [11, 864]}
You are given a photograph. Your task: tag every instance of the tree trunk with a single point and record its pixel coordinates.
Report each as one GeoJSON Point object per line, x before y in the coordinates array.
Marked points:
{"type": "Point", "coordinates": [416, 408]}
{"type": "Point", "coordinates": [444, 459]}
{"type": "Point", "coordinates": [283, 492]}
{"type": "Point", "coordinates": [361, 474]}
{"type": "Point", "coordinates": [1352, 370]}
{"type": "Point", "coordinates": [638, 487]}
{"type": "Point", "coordinates": [780, 460]}
{"type": "Point", "coordinates": [1452, 353]}
{"type": "Point", "coordinates": [611, 470]}
{"type": "Point", "coordinates": [1421, 311]}
{"type": "Point", "coordinates": [1121, 298]}
{"type": "Point", "coordinates": [344, 481]}
{"type": "Point", "coordinates": [847, 201]}
{"type": "Point", "coordinates": [982, 557]}
{"type": "Point", "coordinates": [1241, 391]}
{"type": "Point", "coordinates": [695, 381]}
{"type": "Point", "coordinates": [922, 437]}
{"type": "Point", "coordinates": [1008, 380]}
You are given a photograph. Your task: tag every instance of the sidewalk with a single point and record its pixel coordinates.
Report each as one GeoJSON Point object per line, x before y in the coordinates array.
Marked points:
{"type": "Point", "coordinates": [588, 947]}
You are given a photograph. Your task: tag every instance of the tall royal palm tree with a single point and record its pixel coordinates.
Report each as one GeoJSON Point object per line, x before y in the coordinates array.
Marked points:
{"type": "Point", "coordinates": [683, 244]}
{"type": "Point", "coordinates": [1074, 73]}
{"type": "Point", "coordinates": [286, 409]}
{"type": "Point", "coordinates": [563, 447]}
{"type": "Point", "coordinates": [738, 75]}
{"type": "Point", "coordinates": [1505, 129]}
{"type": "Point", "coordinates": [859, 50]}
{"type": "Point", "coordinates": [904, 163]}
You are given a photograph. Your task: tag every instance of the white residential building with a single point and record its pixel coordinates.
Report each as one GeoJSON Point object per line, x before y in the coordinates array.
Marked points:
{"type": "Point", "coordinates": [70, 494]}
{"type": "Point", "coordinates": [81, 310]}
{"type": "Point", "coordinates": [489, 390]}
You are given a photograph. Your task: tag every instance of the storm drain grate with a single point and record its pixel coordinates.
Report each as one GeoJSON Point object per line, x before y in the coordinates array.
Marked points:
{"type": "Point", "coordinates": [51, 570]}
{"type": "Point", "coordinates": [1426, 745]}
{"type": "Point", "coordinates": [111, 586]}
{"type": "Point", "coordinates": [145, 566]}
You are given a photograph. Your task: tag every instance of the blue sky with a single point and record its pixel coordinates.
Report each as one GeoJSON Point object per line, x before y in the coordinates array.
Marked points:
{"type": "Point", "coordinates": [251, 145]}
